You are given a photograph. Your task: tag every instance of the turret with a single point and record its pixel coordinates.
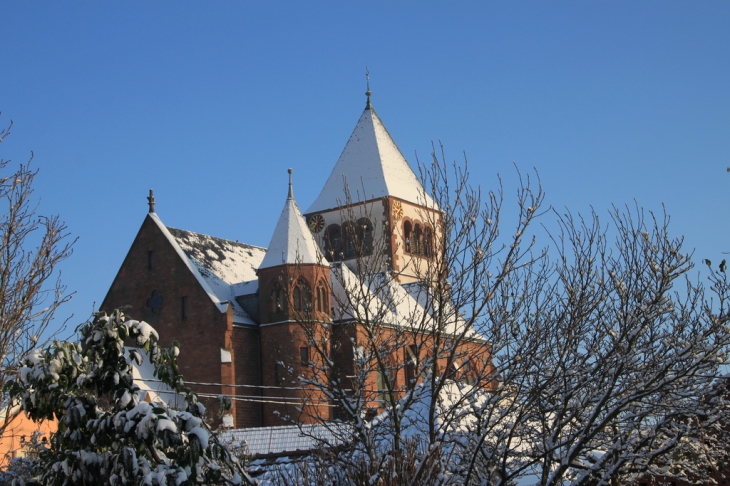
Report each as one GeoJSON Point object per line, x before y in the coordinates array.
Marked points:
{"type": "Point", "coordinates": [294, 291]}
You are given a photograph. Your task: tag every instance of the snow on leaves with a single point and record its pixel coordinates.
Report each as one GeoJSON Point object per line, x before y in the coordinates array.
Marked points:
{"type": "Point", "coordinates": [106, 434]}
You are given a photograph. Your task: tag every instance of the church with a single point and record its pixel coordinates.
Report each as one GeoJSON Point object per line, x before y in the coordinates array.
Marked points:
{"type": "Point", "coordinates": [236, 309]}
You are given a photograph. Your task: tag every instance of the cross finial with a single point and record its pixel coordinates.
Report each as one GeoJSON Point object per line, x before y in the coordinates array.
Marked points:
{"type": "Point", "coordinates": [367, 93]}
{"type": "Point", "coordinates": [151, 201]}
{"type": "Point", "coordinates": [291, 186]}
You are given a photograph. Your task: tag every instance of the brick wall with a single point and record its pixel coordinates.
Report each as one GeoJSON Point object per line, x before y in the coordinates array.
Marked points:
{"type": "Point", "coordinates": [201, 334]}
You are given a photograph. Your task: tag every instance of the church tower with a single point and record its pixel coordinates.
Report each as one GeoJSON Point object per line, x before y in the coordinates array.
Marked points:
{"type": "Point", "coordinates": [294, 287]}
{"type": "Point", "coordinates": [374, 207]}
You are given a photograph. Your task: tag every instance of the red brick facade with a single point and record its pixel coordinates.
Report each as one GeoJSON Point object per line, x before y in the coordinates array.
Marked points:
{"type": "Point", "coordinates": [153, 280]}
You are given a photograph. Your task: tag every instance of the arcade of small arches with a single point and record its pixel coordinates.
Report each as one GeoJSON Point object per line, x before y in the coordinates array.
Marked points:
{"type": "Point", "coordinates": [301, 297]}
{"type": "Point", "coordinates": [417, 238]}
{"type": "Point", "coordinates": [355, 239]}
{"type": "Point", "coordinates": [349, 240]}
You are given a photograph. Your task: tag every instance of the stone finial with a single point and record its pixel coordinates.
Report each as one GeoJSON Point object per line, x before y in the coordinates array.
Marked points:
{"type": "Point", "coordinates": [151, 201]}
{"type": "Point", "coordinates": [291, 186]}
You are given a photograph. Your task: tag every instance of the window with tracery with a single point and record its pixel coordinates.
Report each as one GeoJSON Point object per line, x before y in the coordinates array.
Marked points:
{"type": "Point", "coordinates": [277, 299]}
{"type": "Point", "coordinates": [321, 297]}
{"type": "Point", "coordinates": [302, 296]}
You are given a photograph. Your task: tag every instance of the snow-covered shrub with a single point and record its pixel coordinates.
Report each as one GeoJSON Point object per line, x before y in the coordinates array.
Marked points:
{"type": "Point", "coordinates": [106, 435]}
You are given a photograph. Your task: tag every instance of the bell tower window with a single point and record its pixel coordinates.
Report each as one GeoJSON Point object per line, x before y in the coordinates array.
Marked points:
{"type": "Point", "coordinates": [407, 233]}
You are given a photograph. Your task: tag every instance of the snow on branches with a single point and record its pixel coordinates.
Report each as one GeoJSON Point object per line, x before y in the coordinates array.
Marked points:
{"type": "Point", "coordinates": [106, 433]}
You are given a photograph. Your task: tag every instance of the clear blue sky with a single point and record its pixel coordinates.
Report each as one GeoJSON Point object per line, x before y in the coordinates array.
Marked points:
{"type": "Point", "coordinates": [210, 102]}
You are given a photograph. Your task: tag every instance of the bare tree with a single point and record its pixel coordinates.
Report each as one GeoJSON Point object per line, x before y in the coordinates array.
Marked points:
{"type": "Point", "coordinates": [595, 359]}
{"type": "Point", "coordinates": [31, 247]}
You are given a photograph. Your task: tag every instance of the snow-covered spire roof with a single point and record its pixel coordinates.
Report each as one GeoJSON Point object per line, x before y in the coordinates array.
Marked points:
{"type": "Point", "coordinates": [292, 242]}
{"type": "Point", "coordinates": [371, 162]}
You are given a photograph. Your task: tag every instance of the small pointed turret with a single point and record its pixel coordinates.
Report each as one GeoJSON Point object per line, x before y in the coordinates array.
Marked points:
{"type": "Point", "coordinates": [292, 243]}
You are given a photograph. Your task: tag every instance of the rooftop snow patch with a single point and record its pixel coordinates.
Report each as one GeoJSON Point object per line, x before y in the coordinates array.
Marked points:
{"type": "Point", "coordinates": [230, 261]}
{"type": "Point", "coordinates": [373, 167]}
{"type": "Point", "coordinates": [216, 264]}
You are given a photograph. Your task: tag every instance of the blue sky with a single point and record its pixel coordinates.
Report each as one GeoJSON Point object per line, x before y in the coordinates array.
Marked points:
{"type": "Point", "coordinates": [210, 103]}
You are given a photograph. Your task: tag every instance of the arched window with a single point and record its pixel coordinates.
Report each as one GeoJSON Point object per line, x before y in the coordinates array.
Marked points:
{"type": "Point", "coordinates": [427, 242]}
{"type": "Point", "coordinates": [302, 296]}
{"type": "Point", "coordinates": [322, 304]}
{"type": "Point", "coordinates": [364, 233]}
{"type": "Point", "coordinates": [416, 240]}
{"type": "Point", "coordinates": [333, 243]}
{"type": "Point", "coordinates": [407, 233]}
{"type": "Point", "coordinates": [277, 299]}
{"type": "Point", "coordinates": [349, 238]}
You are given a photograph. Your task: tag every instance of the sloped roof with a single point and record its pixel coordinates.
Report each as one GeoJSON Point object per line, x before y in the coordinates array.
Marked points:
{"type": "Point", "coordinates": [386, 301]}
{"type": "Point", "coordinates": [373, 167]}
{"type": "Point", "coordinates": [217, 264]}
{"type": "Point", "coordinates": [292, 243]}
{"type": "Point", "coordinates": [285, 438]}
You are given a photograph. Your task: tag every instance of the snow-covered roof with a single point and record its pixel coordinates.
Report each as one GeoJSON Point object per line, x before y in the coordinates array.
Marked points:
{"type": "Point", "coordinates": [284, 439]}
{"type": "Point", "coordinates": [217, 264]}
{"type": "Point", "coordinates": [292, 242]}
{"type": "Point", "coordinates": [373, 167]}
{"type": "Point", "coordinates": [385, 300]}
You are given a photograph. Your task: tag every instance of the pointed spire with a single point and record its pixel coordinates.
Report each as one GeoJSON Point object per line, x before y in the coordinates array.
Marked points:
{"type": "Point", "coordinates": [292, 243]}
{"type": "Point", "coordinates": [374, 167]}
{"type": "Point", "coordinates": [368, 92]}
{"type": "Point", "coordinates": [151, 201]}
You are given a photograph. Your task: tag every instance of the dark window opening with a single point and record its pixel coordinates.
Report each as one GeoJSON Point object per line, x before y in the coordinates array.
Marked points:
{"type": "Point", "coordinates": [407, 233]}
{"type": "Point", "coordinates": [467, 374]}
{"type": "Point", "coordinates": [322, 298]}
{"type": "Point", "coordinates": [149, 259]}
{"type": "Point", "coordinates": [411, 365]}
{"type": "Point", "coordinates": [364, 237]}
{"type": "Point", "coordinates": [384, 380]}
{"type": "Point", "coordinates": [416, 241]}
{"type": "Point", "coordinates": [349, 237]}
{"type": "Point", "coordinates": [277, 300]}
{"type": "Point", "coordinates": [333, 243]}
{"type": "Point", "coordinates": [184, 307]}
{"type": "Point", "coordinates": [304, 355]}
{"type": "Point", "coordinates": [427, 244]}
{"type": "Point", "coordinates": [302, 296]}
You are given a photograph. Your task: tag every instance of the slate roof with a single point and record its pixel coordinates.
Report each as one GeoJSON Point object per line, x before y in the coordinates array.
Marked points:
{"type": "Point", "coordinates": [373, 167]}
